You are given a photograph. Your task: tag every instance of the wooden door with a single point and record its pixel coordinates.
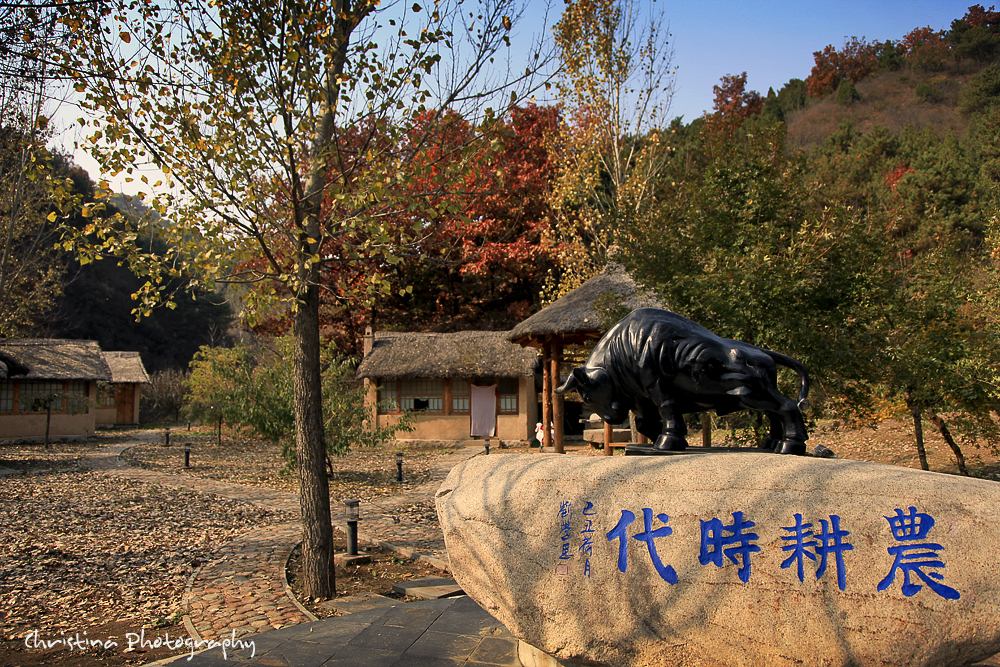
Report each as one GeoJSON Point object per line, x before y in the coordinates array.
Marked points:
{"type": "Point", "coordinates": [125, 404]}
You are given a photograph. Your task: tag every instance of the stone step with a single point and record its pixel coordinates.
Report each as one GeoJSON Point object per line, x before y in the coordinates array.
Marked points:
{"type": "Point", "coordinates": [429, 588]}
{"type": "Point", "coordinates": [355, 603]}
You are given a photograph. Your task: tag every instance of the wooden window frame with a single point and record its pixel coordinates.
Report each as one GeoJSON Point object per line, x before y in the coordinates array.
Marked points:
{"type": "Point", "coordinates": [448, 407]}
{"type": "Point", "coordinates": [516, 395]}
{"type": "Point", "coordinates": [13, 396]}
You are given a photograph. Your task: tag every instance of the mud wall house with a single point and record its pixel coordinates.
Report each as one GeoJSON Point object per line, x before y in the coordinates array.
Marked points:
{"type": "Point", "coordinates": [49, 383]}
{"type": "Point", "coordinates": [118, 399]}
{"type": "Point", "coordinates": [457, 385]}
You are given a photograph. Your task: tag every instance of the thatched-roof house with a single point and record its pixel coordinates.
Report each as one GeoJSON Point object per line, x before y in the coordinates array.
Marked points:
{"type": "Point", "coordinates": [458, 385]}
{"type": "Point", "coordinates": [58, 392]}
{"type": "Point", "coordinates": [575, 318]}
{"type": "Point", "coordinates": [118, 399]}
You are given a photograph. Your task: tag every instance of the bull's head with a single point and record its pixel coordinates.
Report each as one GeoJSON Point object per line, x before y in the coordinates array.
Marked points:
{"type": "Point", "coordinates": [597, 390]}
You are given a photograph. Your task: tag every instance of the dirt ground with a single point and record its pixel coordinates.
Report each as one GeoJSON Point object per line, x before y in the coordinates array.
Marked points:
{"type": "Point", "coordinates": [87, 556]}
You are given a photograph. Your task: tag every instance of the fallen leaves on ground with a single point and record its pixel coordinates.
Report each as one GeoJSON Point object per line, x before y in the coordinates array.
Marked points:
{"type": "Point", "coordinates": [364, 474]}
{"type": "Point", "coordinates": [84, 548]}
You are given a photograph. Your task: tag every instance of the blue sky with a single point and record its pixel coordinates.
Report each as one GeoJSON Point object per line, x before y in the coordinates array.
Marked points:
{"type": "Point", "coordinates": [774, 41]}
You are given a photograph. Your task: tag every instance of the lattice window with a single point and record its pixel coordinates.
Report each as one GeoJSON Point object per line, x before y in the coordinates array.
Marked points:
{"type": "Point", "coordinates": [37, 395]}
{"type": "Point", "coordinates": [6, 397]}
{"type": "Point", "coordinates": [422, 395]}
{"type": "Point", "coordinates": [105, 395]}
{"type": "Point", "coordinates": [460, 396]}
{"type": "Point", "coordinates": [388, 396]}
{"type": "Point", "coordinates": [508, 396]}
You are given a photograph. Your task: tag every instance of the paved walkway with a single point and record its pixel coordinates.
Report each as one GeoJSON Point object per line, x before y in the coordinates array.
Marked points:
{"type": "Point", "coordinates": [243, 590]}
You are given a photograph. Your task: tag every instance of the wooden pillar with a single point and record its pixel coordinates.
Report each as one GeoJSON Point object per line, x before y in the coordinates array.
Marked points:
{"type": "Point", "coordinates": [706, 429]}
{"type": "Point", "coordinates": [557, 400]}
{"type": "Point", "coordinates": [546, 397]}
{"type": "Point", "coordinates": [608, 435]}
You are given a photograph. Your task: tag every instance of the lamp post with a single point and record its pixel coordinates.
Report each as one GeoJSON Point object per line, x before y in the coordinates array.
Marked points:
{"type": "Point", "coordinates": [353, 514]}
{"type": "Point", "coordinates": [487, 446]}
{"type": "Point", "coordinates": [399, 466]}
{"type": "Point", "coordinates": [166, 437]}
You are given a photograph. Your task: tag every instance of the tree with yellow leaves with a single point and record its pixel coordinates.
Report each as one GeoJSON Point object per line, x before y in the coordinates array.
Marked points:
{"type": "Point", "coordinates": [284, 128]}
{"type": "Point", "coordinates": [616, 85]}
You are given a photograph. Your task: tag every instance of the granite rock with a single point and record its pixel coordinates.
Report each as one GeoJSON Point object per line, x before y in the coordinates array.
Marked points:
{"type": "Point", "coordinates": [728, 559]}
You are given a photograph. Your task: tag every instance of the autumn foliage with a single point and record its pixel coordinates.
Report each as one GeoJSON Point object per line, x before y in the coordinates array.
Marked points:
{"type": "Point", "coordinates": [479, 263]}
{"type": "Point", "coordinates": [733, 105]}
{"type": "Point", "coordinates": [856, 60]}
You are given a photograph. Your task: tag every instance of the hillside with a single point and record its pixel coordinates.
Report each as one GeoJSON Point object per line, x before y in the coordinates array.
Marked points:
{"type": "Point", "coordinates": [889, 100]}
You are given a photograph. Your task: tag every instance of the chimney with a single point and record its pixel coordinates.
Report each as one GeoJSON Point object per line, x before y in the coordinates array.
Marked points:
{"type": "Point", "coordinates": [367, 341]}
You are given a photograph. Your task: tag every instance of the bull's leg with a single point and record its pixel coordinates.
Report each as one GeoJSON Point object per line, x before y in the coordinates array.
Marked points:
{"type": "Point", "coordinates": [793, 436]}
{"type": "Point", "coordinates": [776, 433]}
{"type": "Point", "coordinates": [674, 429]}
{"type": "Point", "coordinates": [647, 421]}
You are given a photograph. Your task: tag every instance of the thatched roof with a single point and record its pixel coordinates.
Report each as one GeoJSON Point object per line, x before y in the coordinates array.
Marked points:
{"type": "Point", "coordinates": [574, 317]}
{"type": "Point", "coordinates": [444, 355]}
{"type": "Point", "coordinates": [57, 359]}
{"type": "Point", "coordinates": [9, 366]}
{"type": "Point", "coordinates": [126, 367]}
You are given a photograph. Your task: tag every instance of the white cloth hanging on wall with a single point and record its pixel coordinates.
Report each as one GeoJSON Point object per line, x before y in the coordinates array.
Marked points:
{"type": "Point", "coordinates": [484, 410]}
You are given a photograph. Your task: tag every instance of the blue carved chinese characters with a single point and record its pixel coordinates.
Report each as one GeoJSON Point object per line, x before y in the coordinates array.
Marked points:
{"type": "Point", "coordinates": [804, 544]}
{"type": "Point", "coordinates": [587, 537]}
{"type": "Point", "coordinates": [648, 536]}
{"type": "Point", "coordinates": [913, 556]}
{"type": "Point", "coordinates": [715, 544]}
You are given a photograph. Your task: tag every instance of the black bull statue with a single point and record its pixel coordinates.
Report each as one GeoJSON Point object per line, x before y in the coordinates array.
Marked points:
{"type": "Point", "coordinates": [661, 365]}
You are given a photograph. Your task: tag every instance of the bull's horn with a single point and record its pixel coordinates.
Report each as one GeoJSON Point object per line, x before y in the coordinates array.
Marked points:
{"type": "Point", "coordinates": [570, 383]}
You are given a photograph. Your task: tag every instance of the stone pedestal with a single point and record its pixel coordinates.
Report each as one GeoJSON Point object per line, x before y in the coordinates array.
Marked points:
{"type": "Point", "coordinates": [728, 559]}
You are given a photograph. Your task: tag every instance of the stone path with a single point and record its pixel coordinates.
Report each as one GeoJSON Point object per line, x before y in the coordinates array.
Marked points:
{"type": "Point", "coordinates": [243, 589]}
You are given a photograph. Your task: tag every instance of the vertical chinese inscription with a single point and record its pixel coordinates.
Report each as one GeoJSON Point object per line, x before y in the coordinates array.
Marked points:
{"type": "Point", "coordinates": [565, 529]}
{"type": "Point", "coordinates": [587, 537]}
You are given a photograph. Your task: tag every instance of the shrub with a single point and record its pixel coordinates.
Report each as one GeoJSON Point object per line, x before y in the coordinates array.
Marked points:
{"type": "Point", "coordinates": [982, 91]}
{"type": "Point", "coordinates": [927, 93]}
{"type": "Point", "coordinates": [847, 93]}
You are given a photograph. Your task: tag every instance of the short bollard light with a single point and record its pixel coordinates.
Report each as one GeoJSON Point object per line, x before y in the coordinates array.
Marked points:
{"type": "Point", "coordinates": [487, 446]}
{"type": "Point", "coordinates": [187, 454]}
{"type": "Point", "coordinates": [353, 515]}
{"type": "Point", "coordinates": [166, 437]}
{"type": "Point", "coordinates": [399, 466]}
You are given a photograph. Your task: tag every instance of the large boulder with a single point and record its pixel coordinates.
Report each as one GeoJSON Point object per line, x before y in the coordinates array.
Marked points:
{"type": "Point", "coordinates": [728, 559]}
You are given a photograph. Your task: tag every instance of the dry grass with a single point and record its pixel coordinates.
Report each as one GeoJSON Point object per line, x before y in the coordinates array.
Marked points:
{"type": "Point", "coordinates": [888, 100]}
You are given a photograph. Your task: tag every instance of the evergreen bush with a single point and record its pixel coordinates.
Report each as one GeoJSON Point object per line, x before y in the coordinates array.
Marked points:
{"type": "Point", "coordinates": [847, 93]}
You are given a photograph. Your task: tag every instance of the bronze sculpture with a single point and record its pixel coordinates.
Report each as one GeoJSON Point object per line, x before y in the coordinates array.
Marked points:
{"type": "Point", "coordinates": [661, 365]}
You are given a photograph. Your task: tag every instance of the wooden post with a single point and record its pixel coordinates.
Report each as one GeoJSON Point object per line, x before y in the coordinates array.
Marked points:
{"type": "Point", "coordinates": [546, 398]}
{"type": "Point", "coordinates": [608, 435]}
{"type": "Point", "coordinates": [557, 400]}
{"type": "Point", "coordinates": [706, 429]}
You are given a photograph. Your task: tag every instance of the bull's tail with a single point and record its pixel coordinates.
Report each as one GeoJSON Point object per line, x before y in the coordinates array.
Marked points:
{"type": "Point", "coordinates": [796, 366]}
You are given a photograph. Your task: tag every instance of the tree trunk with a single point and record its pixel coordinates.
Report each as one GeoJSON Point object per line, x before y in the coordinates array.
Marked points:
{"type": "Point", "coordinates": [918, 429]}
{"type": "Point", "coordinates": [946, 434]}
{"type": "Point", "coordinates": [310, 452]}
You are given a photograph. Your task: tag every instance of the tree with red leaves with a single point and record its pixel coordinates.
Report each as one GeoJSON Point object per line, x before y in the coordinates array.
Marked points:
{"type": "Point", "coordinates": [855, 61]}
{"type": "Point", "coordinates": [733, 105]}
{"type": "Point", "coordinates": [926, 49]}
{"type": "Point", "coordinates": [481, 263]}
